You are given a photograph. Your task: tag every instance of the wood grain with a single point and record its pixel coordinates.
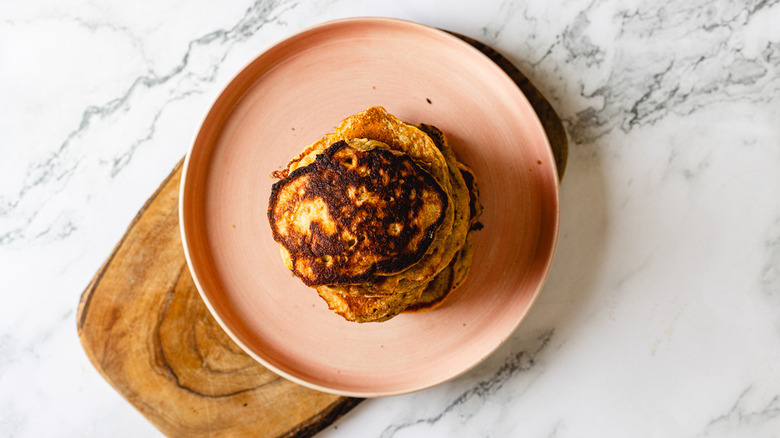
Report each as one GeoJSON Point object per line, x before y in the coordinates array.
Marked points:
{"type": "Point", "coordinates": [145, 329]}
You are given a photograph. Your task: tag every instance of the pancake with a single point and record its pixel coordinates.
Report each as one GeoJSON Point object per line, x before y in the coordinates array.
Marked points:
{"type": "Point", "coordinates": [320, 206]}
{"type": "Point", "coordinates": [460, 199]}
{"type": "Point", "coordinates": [466, 255]}
{"type": "Point", "coordinates": [435, 291]}
{"type": "Point", "coordinates": [435, 276]}
{"type": "Point", "coordinates": [475, 206]}
{"type": "Point", "coordinates": [376, 123]}
{"type": "Point", "coordinates": [456, 272]}
{"type": "Point", "coordinates": [360, 209]}
{"type": "Point", "coordinates": [441, 255]}
{"type": "Point", "coordinates": [369, 308]}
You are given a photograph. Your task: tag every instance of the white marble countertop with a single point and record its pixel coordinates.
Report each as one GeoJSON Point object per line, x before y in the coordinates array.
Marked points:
{"type": "Point", "coordinates": [661, 315]}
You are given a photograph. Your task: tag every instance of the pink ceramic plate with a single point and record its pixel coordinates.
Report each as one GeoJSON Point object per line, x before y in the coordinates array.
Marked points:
{"type": "Point", "coordinates": [293, 94]}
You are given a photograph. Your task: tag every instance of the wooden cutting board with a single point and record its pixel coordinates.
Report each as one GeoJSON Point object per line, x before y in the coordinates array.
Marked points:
{"type": "Point", "coordinates": [146, 330]}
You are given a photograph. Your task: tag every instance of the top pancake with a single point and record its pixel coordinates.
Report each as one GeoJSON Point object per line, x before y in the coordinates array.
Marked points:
{"type": "Point", "coordinates": [358, 210]}
{"type": "Point", "coordinates": [376, 123]}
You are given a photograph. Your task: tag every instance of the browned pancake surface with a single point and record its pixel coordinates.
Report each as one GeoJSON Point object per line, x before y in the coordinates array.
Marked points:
{"type": "Point", "coordinates": [355, 213]}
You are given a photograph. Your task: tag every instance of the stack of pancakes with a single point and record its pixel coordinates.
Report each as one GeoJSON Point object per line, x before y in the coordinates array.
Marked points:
{"type": "Point", "coordinates": [376, 216]}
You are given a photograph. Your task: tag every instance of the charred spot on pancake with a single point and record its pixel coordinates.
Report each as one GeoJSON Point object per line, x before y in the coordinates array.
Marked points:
{"type": "Point", "coordinates": [355, 213]}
